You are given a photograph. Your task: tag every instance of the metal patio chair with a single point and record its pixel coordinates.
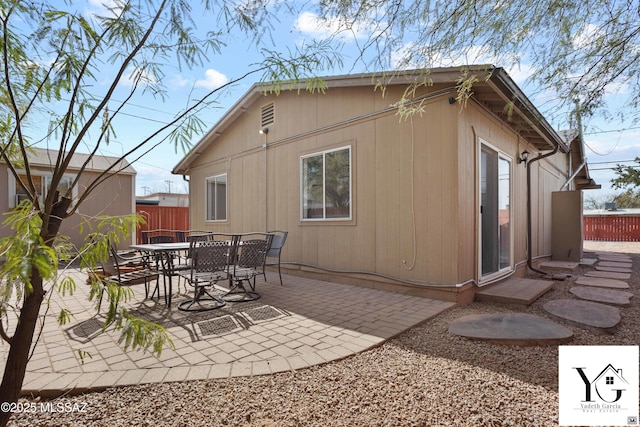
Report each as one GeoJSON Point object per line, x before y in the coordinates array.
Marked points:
{"type": "Point", "coordinates": [247, 258]}
{"type": "Point", "coordinates": [273, 254]}
{"type": "Point", "coordinates": [116, 271]}
{"type": "Point", "coordinates": [208, 267]}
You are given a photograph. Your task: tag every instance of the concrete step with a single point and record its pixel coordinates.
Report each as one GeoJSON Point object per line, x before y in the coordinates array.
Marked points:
{"type": "Point", "coordinates": [559, 265]}
{"type": "Point", "coordinates": [516, 290]}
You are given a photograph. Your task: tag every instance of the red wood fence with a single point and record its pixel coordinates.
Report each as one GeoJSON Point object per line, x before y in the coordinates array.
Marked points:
{"type": "Point", "coordinates": [612, 228]}
{"type": "Point", "coordinates": [165, 217]}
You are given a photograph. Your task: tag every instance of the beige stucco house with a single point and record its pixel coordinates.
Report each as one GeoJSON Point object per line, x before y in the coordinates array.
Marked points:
{"type": "Point", "coordinates": [434, 203]}
{"type": "Point", "coordinates": [115, 196]}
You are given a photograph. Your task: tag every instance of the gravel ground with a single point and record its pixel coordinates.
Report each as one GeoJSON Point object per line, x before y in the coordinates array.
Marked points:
{"type": "Point", "coordinates": [424, 377]}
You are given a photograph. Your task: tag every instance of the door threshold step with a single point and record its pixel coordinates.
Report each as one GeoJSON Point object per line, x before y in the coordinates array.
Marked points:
{"type": "Point", "coordinates": [517, 290]}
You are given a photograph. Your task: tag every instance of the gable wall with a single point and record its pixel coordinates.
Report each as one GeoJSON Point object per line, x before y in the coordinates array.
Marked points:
{"type": "Point", "coordinates": [382, 235]}
{"type": "Point", "coordinates": [114, 197]}
{"type": "Point", "coordinates": [415, 184]}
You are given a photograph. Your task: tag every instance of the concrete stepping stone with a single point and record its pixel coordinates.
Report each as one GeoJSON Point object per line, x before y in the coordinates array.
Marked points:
{"type": "Point", "coordinates": [588, 261]}
{"type": "Point", "coordinates": [559, 265]}
{"type": "Point", "coordinates": [602, 282]}
{"type": "Point", "coordinates": [614, 258]}
{"type": "Point", "coordinates": [615, 264]}
{"type": "Point", "coordinates": [613, 269]}
{"type": "Point", "coordinates": [511, 329]}
{"type": "Point", "coordinates": [584, 313]}
{"type": "Point", "coordinates": [602, 295]}
{"type": "Point", "coordinates": [608, 275]}
{"type": "Point", "coordinates": [609, 253]}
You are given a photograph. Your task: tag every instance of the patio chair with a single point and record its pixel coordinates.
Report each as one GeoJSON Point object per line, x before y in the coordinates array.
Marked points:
{"type": "Point", "coordinates": [185, 260]}
{"type": "Point", "coordinates": [116, 271]}
{"type": "Point", "coordinates": [248, 255]}
{"type": "Point", "coordinates": [209, 266]}
{"type": "Point", "coordinates": [146, 235]}
{"type": "Point", "coordinates": [277, 242]}
{"type": "Point", "coordinates": [161, 238]}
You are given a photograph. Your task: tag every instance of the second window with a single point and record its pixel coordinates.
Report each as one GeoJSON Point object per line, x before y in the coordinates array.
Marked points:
{"type": "Point", "coordinates": [326, 184]}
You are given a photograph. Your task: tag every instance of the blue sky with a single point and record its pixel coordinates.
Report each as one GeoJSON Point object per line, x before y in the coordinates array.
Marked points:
{"type": "Point", "coordinates": [606, 141]}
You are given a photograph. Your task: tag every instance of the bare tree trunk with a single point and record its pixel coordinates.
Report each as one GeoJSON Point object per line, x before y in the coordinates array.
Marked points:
{"type": "Point", "coordinates": [16, 367]}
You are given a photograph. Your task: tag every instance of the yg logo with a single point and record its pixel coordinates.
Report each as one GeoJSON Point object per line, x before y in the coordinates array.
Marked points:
{"type": "Point", "coordinates": [598, 385]}
{"type": "Point", "coordinates": [606, 384]}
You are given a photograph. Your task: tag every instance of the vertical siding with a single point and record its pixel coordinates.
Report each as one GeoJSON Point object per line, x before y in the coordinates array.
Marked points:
{"type": "Point", "coordinates": [546, 176]}
{"type": "Point", "coordinates": [441, 143]}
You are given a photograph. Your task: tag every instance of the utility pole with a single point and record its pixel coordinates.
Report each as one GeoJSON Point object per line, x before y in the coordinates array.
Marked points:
{"type": "Point", "coordinates": [168, 182]}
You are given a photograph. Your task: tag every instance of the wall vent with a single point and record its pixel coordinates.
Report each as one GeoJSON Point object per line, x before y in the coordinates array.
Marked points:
{"type": "Point", "coordinates": [267, 115]}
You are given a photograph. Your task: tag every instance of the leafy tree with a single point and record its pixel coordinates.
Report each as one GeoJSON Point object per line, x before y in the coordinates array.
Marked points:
{"type": "Point", "coordinates": [628, 176]}
{"type": "Point", "coordinates": [630, 199]}
{"type": "Point", "coordinates": [579, 52]}
{"type": "Point", "coordinates": [54, 60]}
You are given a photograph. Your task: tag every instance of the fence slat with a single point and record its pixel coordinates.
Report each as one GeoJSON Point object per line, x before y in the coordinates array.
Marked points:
{"type": "Point", "coordinates": [165, 217]}
{"type": "Point", "coordinates": [612, 228]}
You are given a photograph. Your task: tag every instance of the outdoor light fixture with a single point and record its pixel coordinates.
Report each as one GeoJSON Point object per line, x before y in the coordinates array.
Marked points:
{"type": "Point", "coordinates": [263, 131]}
{"type": "Point", "coordinates": [524, 156]}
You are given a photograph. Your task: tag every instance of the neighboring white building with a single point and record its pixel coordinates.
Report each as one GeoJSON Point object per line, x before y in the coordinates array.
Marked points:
{"type": "Point", "coordinates": [164, 199]}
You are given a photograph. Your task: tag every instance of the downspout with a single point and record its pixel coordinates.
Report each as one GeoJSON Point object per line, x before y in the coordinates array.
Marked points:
{"type": "Point", "coordinates": [265, 131]}
{"type": "Point", "coordinates": [529, 207]}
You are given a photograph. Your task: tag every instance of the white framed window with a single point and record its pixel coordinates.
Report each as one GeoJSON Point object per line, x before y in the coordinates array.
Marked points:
{"type": "Point", "coordinates": [42, 183]}
{"type": "Point", "coordinates": [216, 198]}
{"type": "Point", "coordinates": [326, 185]}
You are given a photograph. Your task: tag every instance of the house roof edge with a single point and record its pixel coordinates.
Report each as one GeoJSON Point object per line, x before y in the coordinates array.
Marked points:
{"type": "Point", "coordinates": [497, 76]}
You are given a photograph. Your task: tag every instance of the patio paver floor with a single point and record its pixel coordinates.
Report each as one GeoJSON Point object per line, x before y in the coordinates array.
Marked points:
{"type": "Point", "coordinates": [303, 323]}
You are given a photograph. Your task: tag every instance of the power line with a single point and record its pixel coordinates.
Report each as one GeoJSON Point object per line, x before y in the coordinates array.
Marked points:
{"type": "Point", "coordinates": [612, 130]}
{"type": "Point", "coordinates": [612, 161]}
{"type": "Point", "coordinates": [611, 168]}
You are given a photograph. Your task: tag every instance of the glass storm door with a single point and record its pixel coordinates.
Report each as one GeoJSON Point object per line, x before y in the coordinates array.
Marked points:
{"type": "Point", "coordinates": [495, 215]}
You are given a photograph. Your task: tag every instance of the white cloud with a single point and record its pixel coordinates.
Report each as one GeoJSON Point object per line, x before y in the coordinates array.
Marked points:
{"type": "Point", "coordinates": [587, 34]}
{"type": "Point", "coordinates": [310, 24]}
{"type": "Point", "coordinates": [132, 76]}
{"type": "Point", "coordinates": [103, 7]}
{"type": "Point", "coordinates": [179, 81]}
{"type": "Point", "coordinates": [520, 73]}
{"type": "Point", "coordinates": [213, 80]}
{"type": "Point", "coordinates": [414, 56]}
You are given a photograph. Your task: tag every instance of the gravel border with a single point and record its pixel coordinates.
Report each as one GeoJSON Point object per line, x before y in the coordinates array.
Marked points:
{"type": "Point", "coordinates": [424, 377]}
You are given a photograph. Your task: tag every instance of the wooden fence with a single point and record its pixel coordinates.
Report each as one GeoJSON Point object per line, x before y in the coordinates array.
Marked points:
{"type": "Point", "coordinates": [165, 217]}
{"type": "Point", "coordinates": [612, 228]}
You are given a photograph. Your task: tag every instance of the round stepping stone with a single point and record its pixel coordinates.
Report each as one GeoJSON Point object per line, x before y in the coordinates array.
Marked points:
{"type": "Point", "coordinates": [613, 269]}
{"type": "Point", "coordinates": [602, 282]}
{"type": "Point", "coordinates": [602, 295]}
{"type": "Point", "coordinates": [584, 313]}
{"type": "Point", "coordinates": [609, 275]}
{"type": "Point", "coordinates": [511, 328]}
